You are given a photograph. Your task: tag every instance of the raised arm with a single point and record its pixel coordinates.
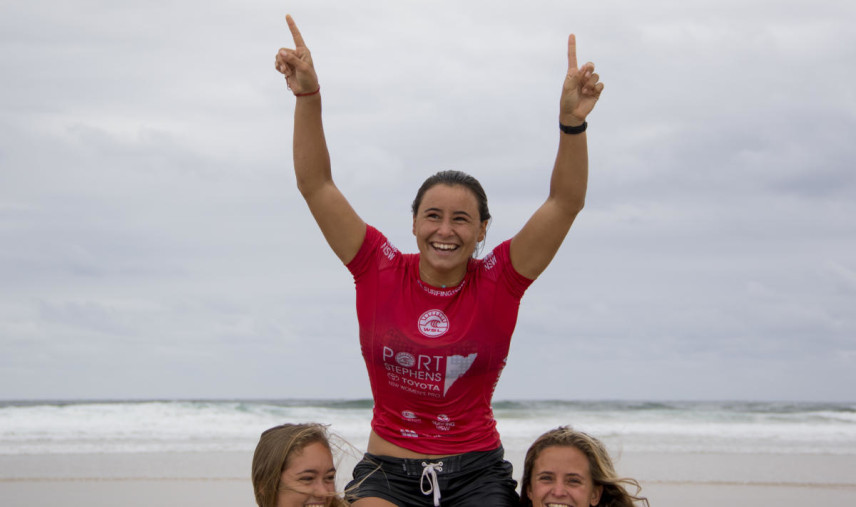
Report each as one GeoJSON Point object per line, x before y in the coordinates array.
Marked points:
{"type": "Point", "coordinates": [534, 246]}
{"type": "Point", "coordinates": [343, 229]}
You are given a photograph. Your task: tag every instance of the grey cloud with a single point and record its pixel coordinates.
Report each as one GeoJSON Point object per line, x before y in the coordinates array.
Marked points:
{"type": "Point", "coordinates": [151, 232]}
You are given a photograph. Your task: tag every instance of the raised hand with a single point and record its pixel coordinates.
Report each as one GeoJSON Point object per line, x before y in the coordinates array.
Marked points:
{"type": "Point", "coordinates": [580, 90]}
{"type": "Point", "coordinates": [296, 64]}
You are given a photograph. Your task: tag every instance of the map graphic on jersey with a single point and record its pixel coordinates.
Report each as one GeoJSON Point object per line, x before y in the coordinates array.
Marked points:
{"type": "Point", "coordinates": [456, 366]}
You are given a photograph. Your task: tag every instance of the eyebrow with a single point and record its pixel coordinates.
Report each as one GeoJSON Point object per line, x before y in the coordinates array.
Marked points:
{"type": "Point", "coordinates": [459, 212]}
{"type": "Point", "coordinates": [313, 471]}
{"type": "Point", "coordinates": [548, 472]}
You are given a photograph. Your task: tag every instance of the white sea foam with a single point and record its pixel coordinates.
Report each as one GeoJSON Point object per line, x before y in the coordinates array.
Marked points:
{"type": "Point", "coordinates": [195, 426]}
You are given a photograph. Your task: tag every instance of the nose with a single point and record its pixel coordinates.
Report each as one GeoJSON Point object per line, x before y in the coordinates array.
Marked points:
{"type": "Point", "coordinates": [559, 490]}
{"type": "Point", "coordinates": [445, 228]}
{"type": "Point", "coordinates": [320, 490]}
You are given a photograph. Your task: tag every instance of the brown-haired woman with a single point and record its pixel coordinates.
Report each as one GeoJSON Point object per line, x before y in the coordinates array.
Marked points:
{"type": "Point", "coordinates": [435, 327]}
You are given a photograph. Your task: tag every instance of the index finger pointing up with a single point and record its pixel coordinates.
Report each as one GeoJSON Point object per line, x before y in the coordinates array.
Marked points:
{"type": "Point", "coordinates": [295, 33]}
{"type": "Point", "coordinates": [572, 52]}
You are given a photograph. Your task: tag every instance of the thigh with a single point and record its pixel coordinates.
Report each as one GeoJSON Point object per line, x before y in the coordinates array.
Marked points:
{"type": "Point", "coordinates": [495, 495]}
{"type": "Point", "coordinates": [489, 485]}
{"type": "Point", "coordinates": [374, 486]}
{"type": "Point", "coordinates": [372, 502]}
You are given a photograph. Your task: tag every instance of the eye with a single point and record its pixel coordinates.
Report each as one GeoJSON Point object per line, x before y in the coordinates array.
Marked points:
{"type": "Point", "coordinates": [331, 478]}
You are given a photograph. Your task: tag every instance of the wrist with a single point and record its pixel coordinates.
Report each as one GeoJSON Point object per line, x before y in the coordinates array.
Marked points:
{"type": "Point", "coordinates": [573, 129]}
{"type": "Point", "coordinates": [309, 94]}
{"type": "Point", "coordinates": [570, 120]}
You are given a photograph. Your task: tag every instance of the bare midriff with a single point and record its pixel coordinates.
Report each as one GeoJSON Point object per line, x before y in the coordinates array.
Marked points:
{"type": "Point", "coordinates": [380, 447]}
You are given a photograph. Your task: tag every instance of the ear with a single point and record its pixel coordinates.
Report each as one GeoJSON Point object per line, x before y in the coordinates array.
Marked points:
{"type": "Point", "coordinates": [413, 230]}
{"type": "Point", "coordinates": [595, 496]}
{"type": "Point", "coordinates": [482, 231]}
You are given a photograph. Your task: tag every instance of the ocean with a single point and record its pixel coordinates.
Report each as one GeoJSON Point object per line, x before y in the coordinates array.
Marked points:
{"type": "Point", "coordinates": [121, 427]}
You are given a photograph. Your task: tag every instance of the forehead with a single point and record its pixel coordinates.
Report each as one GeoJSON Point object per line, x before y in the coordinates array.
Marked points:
{"type": "Point", "coordinates": [562, 460]}
{"type": "Point", "coordinates": [449, 196]}
{"type": "Point", "coordinates": [315, 456]}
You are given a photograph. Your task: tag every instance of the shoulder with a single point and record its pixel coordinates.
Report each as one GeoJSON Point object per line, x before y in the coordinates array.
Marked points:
{"type": "Point", "coordinates": [376, 250]}
{"type": "Point", "coordinates": [497, 259]}
{"type": "Point", "coordinates": [496, 265]}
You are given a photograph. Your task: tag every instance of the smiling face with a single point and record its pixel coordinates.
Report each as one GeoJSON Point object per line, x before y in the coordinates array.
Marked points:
{"type": "Point", "coordinates": [309, 478]}
{"type": "Point", "coordinates": [447, 230]}
{"type": "Point", "coordinates": [561, 478]}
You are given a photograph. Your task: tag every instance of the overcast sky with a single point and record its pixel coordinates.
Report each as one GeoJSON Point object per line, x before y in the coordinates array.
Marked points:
{"type": "Point", "coordinates": [153, 243]}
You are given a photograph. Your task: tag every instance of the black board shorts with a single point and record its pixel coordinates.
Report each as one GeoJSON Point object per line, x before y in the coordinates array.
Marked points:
{"type": "Point", "coordinates": [464, 480]}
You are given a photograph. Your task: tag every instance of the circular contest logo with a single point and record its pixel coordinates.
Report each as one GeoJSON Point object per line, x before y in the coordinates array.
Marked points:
{"type": "Point", "coordinates": [433, 323]}
{"type": "Point", "coordinates": [405, 359]}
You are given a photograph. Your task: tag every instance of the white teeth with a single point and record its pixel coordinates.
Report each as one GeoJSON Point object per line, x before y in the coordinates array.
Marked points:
{"type": "Point", "coordinates": [444, 246]}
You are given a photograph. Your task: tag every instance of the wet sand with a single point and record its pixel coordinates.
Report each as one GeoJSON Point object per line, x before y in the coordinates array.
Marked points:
{"type": "Point", "coordinates": [205, 479]}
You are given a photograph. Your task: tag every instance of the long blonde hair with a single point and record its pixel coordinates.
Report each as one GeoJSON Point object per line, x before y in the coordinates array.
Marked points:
{"type": "Point", "coordinates": [276, 446]}
{"type": "Point", "coordinates": [600, 466]}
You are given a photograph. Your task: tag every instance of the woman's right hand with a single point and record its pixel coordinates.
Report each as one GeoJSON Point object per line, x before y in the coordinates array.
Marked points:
{"type": "Point", "coordinates": [296, 64]}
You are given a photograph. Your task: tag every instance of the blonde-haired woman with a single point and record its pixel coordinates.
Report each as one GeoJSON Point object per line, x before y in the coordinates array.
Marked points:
{"type": "Point", "coordinates": [293, 467]}
{"type": "Point", "coordinates": [565, 466]}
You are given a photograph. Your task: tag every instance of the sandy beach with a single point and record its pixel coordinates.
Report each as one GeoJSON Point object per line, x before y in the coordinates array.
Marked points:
{"type": "Point", "coordinates": [222, 478]}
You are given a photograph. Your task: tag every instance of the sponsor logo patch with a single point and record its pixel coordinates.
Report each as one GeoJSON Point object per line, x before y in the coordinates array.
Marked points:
{"type": "Point", "coordinates": [405, 359]}
{"type": "Point", "coordinates": [433, 323]}
{"type": "Point", "coordinates": [443, 423]}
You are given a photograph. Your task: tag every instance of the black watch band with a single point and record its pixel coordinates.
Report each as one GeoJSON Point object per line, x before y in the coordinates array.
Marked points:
{"type": "Point", "coordinates": [579, 129]}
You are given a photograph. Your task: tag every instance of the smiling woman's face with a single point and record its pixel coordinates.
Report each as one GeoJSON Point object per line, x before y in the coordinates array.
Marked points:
{"type": "Point", "coordinates": [309, 478]}
{"type": "Point", "coordinates": [447, 230]}
{"type": "Point", "coordinates": [561, 477]}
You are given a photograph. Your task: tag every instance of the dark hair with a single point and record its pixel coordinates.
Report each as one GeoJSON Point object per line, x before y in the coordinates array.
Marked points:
{"type": "Point", "coordinates": [600, 466]}
{"type": "Point", "coordinates": [273, 452]}
{"type": "Point", "coordinates": [452, 178]}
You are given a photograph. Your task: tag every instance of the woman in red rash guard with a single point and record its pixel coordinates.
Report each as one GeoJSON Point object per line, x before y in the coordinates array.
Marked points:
{"type": "Point", "coordinates": [435, 326]}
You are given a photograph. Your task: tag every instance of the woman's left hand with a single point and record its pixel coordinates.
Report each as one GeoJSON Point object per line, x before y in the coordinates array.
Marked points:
{"type": "Point", "coordinates": [580, 90]}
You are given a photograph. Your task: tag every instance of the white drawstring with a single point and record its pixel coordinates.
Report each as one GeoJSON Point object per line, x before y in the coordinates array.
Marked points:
{"type": "Point", "coordinates": [430, 470]}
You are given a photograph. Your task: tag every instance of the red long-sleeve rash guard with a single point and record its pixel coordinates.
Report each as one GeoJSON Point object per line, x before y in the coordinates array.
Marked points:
{"type": "Point", "coordinates": [434, 355]}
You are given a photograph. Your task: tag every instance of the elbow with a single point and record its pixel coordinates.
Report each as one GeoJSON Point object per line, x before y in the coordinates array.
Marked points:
{"type": "Point", "coordinates": [578, 204]}
{"type": "Point", "coordinates": [308, 185]}
{"type": "Point", "coordinates": [575, 199]}
{"type": "Point", "coordinates": [310, 188]}
{"type": "Point", "coordinates": [304, 188]}
{"type": "Point", "coordinates": [311, 179]}
{"type": "Point", "coordinates": [573, 209]}
{"type": "Point", "coordinates": [571, 206]}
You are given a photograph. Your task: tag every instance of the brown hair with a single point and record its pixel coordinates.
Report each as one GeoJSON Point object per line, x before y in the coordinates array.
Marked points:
{"type": "Point", "coordinates": [600, 466]}
{"type": "Point", "coordinates": [273, 452]}
{"type": "Point", "coordinates": [452, 178]}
